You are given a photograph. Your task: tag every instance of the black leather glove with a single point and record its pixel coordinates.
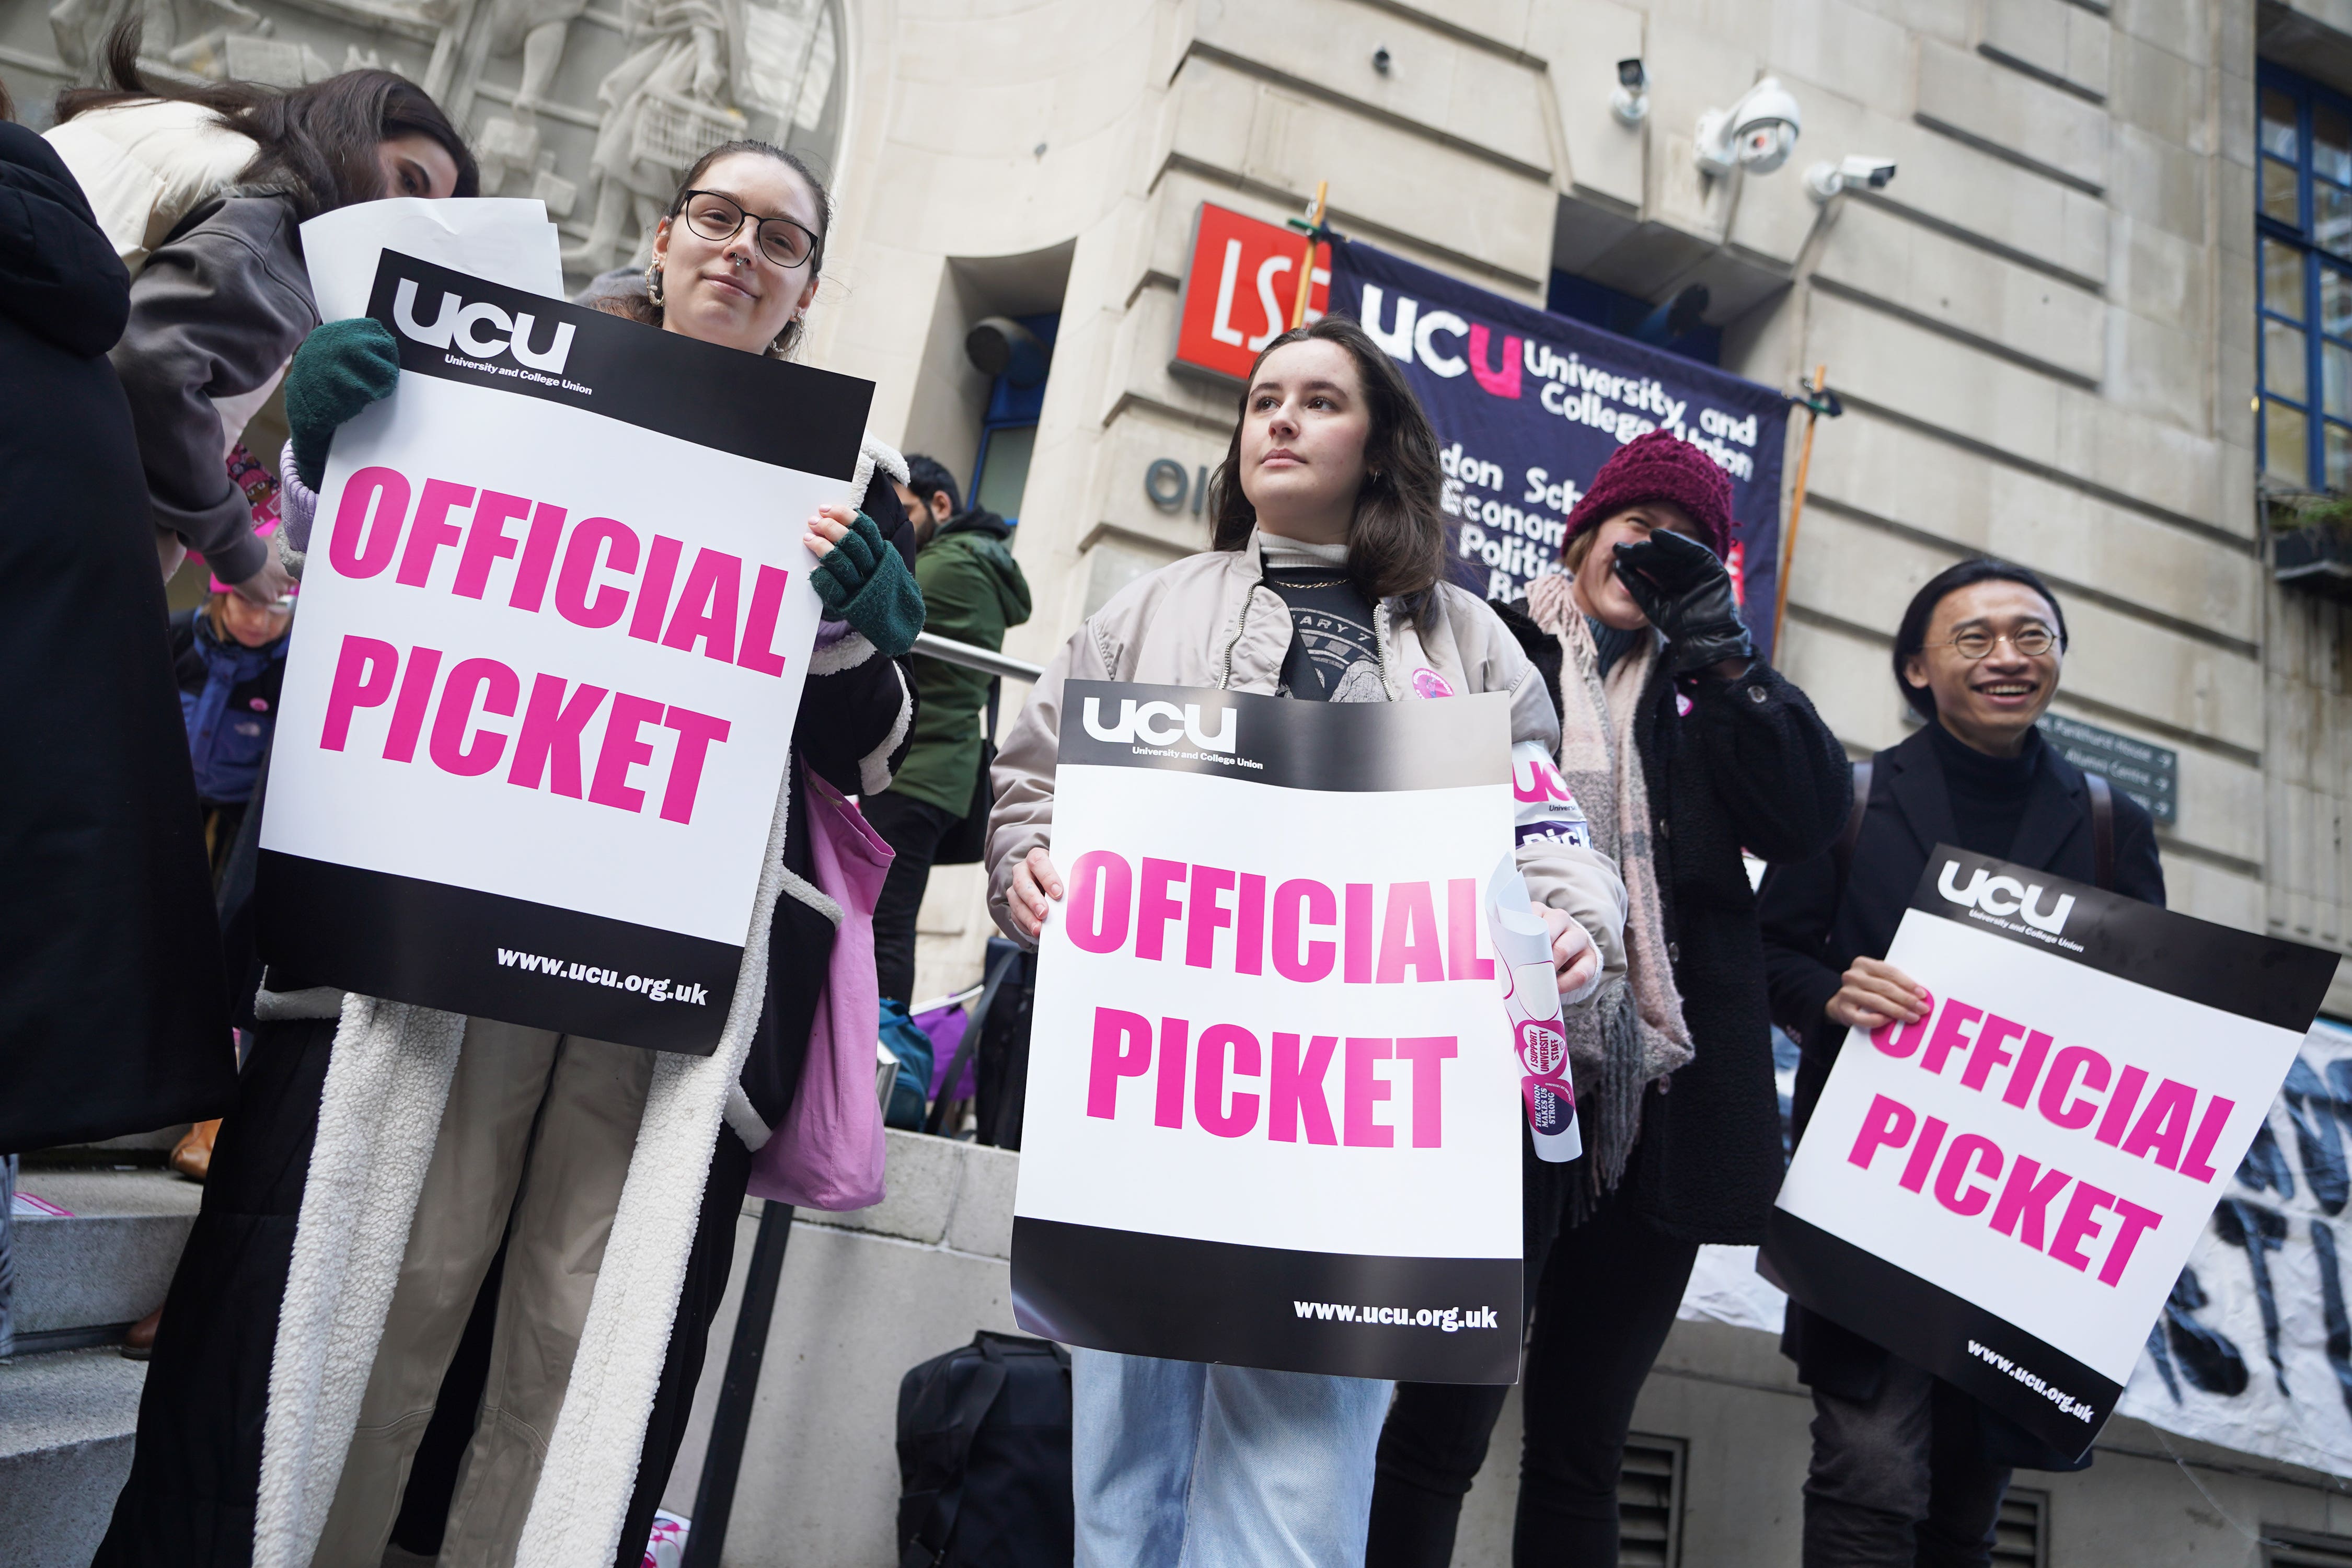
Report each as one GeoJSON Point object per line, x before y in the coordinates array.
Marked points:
{"type": "Point", "coordinates": [1686, 594]}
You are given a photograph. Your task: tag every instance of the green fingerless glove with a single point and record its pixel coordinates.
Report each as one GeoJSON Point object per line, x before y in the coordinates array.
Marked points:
{"type": "Point", "coordinates": [339, 369]}
{"type": "Point", "coordinates": [865, 582]}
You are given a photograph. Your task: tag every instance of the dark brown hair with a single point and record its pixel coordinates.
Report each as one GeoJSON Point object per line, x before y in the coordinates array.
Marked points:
{"type": "Point", "coordinates": [317, 145]}
{"type": "Point", "coordinates": [1396, 544]}
{"type": "Point", "coordinates": [643, 307]}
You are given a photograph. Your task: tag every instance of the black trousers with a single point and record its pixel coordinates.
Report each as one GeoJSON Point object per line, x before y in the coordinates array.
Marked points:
{"type": "Point", "coordinates": [1900, 1479]}
{"type": "Point", "coordinates": [1608, 1294]}
{"type": "Point", "coordinates": [913, 828]}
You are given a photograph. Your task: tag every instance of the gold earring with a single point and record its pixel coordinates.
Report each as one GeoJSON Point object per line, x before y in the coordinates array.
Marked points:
{"type": "Point", "coordinates": [653, 281]}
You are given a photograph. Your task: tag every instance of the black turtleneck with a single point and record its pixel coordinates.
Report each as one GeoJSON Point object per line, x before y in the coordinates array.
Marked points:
{"type": "Point", "coordinates": [1988, 794]}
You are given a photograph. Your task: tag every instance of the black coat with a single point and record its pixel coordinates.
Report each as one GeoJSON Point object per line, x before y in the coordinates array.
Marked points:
{"type": "Point", "coordinates": [113, 1005]}
{"type": "Point", "coordinates": [1811, 934]}
{"type": "Point", "coordinates": [1749, 765]}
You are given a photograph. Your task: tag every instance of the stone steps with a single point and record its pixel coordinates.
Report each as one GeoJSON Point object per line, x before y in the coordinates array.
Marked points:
{"type": "Point", "coordinates": [66, 1423]}
{"type": "Point", "coordinates": [69, 1400]}
{"type": "Point", "coordinates": [82, 1280]}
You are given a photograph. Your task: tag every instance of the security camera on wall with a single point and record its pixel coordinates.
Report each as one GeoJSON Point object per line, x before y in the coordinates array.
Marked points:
{"type": "Point", "coordinates": [1756, 133]}
{"type": "Point", "coordinates": [1630, 102]}
{"type": "Point", "coordinates": [1856, 171]}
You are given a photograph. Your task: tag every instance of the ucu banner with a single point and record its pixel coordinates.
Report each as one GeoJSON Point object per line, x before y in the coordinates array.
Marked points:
{"type": "Point", "coordinates": [1527, 405]}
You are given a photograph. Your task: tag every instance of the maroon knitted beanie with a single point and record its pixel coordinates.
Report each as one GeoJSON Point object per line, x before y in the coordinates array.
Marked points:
{"type": "Point", "coordinates": [1659, 466]}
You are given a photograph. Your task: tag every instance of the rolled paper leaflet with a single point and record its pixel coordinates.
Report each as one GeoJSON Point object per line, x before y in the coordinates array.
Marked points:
{"type": "Point", "coordinates": [1531, 1000]}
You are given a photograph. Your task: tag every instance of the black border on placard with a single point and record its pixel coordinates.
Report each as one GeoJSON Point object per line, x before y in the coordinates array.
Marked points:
{"type": "Point", "coordinates": [412, 941]}
{"type": "Point", "coordinates": [2264, 978]}
{"type": "Point", "coordinates": [1930, 1327]}
{"type": "Point", "coordinates": [770, 411]}
{"type": "Point", "coordinates": [1339, 747]}
{"type": "Point", "coordinates": [1185, 1300]}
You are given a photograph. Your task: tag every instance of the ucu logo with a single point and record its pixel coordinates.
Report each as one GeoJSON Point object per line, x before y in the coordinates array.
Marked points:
{"type": "Point", "coordinates": [458, 324]}
{"type": "Point", "coordinates": [2002, 897]}
{"type": "Point", "coordinates": [1159, 724]}
{"type": "Point", "coordinates": [1534, 779]}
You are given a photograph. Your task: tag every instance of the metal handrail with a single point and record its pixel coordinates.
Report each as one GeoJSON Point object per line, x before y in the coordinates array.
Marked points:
{"type": "Point", "coordinates": [988, 662]}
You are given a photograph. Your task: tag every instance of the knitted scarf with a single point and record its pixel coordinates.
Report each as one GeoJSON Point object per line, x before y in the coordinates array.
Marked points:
{"type": "Point", "coordinates": [1633, 1031]}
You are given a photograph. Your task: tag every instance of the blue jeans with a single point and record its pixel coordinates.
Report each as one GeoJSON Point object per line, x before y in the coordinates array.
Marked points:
{"type": "Point", "coordinates": [1177, 1464]}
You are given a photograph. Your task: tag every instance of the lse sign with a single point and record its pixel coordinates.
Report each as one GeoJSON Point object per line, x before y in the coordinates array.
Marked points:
{"type": "Point", "coordinates": [1239, 287]}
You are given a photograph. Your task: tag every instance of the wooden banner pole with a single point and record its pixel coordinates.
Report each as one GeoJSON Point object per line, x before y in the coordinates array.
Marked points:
{"type": "Point", "coordinates": [1796, 506]}
{"type": "Point", "coordinates": [1306, 265]}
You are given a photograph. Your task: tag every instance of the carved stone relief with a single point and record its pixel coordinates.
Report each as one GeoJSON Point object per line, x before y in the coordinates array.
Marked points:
{"type": "Point", "coordinates": [597, 111]}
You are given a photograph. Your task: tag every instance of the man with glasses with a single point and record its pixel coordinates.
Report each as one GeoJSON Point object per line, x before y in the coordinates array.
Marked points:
{"type": "Point", "coordinates": [1906, 1469]}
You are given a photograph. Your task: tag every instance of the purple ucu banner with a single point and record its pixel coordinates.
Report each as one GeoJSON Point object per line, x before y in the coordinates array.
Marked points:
{"type": "Point", "coordinates": [1527, 405]}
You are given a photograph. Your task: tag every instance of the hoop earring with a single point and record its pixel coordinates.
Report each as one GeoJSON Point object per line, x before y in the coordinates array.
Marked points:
{"type": "Point", "coordinates": [654, 282]}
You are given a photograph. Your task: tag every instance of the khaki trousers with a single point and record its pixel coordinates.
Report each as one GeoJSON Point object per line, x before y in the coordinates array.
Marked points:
{"type": "Point", "coordinates": [536, 1136]}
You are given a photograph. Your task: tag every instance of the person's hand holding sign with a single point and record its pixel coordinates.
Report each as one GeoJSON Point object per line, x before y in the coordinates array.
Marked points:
{"type": "Point", "coordinates": [1575, 958]}
{"type": "Point", "coordinates": [1874, 993]}
{"type": "Point", "coordinates": [1034, 880]}
{"type": "Point", "coordinates": [1037, 887]}
{"type": "Point", "coordinates": [863, 579]}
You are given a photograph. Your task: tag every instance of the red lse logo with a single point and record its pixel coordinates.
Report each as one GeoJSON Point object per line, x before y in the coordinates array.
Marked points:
{"type": "Point", "coordinates": [1239, 287]}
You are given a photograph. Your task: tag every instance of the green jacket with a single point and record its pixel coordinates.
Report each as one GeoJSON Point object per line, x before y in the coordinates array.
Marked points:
{"type": "Point", "coordinates": [972, 591]}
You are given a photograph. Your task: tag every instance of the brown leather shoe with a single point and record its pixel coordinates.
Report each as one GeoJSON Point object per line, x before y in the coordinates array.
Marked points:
{"type": "Point", "coordinates": [192, 1155]}
{"type": "Point", "coordinates": [139, 1340]}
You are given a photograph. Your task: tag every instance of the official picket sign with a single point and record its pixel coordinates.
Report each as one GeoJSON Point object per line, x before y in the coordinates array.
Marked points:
{"type": "Point", "coordinates": [555, 619]}
{"type": "Point", "coordinates": [1273, 1108]}
{"type": "Point", "coordinates": [2004, 1193]}
{"type": "Point", "coordinates": [1527, 405]}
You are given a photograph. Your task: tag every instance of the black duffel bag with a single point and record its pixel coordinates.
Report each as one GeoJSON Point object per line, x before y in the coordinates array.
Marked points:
{"type": "Point", "coordinates": [984, 1456]}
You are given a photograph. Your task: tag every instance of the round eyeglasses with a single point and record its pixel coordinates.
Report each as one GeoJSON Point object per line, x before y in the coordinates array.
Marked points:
{"type": "Point", "coordinates": [2030, 641]}
{"type": "Point", "coordinates": [719, 218]}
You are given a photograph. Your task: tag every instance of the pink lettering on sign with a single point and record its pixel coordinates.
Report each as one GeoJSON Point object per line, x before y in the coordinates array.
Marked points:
{"type": "Point", "coordinates": [548, 742]}
{"type": "Point", "coordinates": [1101, 889]}
{"type": "Point", "coordinates": [495, 689]}
{"type": "Point", "coordinates": [1366, 1090]}
{"type": "Point", "coordinates": [1123, 1049]}
{"type": "Point", "coordinates": [697, 733]}
{"type": "Point", "coordinates": [488, 541]}
{"type": "Point", "coordinates": [599, 542]}
{"type": "Point", "coordinates": [368, 522]}
{"type": "Point", "coordinates": [2039, 1206]}
{"type": "Point", "coordinates": [1209, 1105]}
{"type": "Point", "coordinates": [432, 532]}
{"type": "Point", "coordinates": [623, 751]}
{"type": "Point", "coordinates": [1298, 1090]}
{"type": "Point", "coordinates": [364, 672]}
{"type": "Point", "coordinates": [706, 606]}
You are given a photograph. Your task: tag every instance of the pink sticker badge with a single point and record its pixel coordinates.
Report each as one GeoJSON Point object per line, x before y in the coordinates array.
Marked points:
{"type": "Point", "coordinates": [1427, 682]}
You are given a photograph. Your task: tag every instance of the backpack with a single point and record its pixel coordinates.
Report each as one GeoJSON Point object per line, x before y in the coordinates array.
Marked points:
{"type": "Point", "coordinates": [984, 1456]}
{"type": "Point", "coordinates": [2102, 827]}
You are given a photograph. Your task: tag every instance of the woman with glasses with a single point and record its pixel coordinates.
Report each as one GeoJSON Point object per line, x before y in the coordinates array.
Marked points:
{"type": "Point", "coordinates": [1906, 1468]}
{"type": "Point", "coordinates": [544, 1141]}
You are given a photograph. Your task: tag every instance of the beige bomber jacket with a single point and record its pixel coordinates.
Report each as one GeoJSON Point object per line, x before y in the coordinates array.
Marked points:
{"type": "Point", "coordinates": [1211, 620]}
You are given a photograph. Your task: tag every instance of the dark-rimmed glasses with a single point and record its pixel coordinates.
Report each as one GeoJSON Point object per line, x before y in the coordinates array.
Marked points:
{"type": "Point", "coordinates": [1974, 644]}
{"type": "Point", "coordinates": [719, 218]}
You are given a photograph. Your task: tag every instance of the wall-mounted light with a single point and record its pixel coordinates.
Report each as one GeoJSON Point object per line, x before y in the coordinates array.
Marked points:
{"type": "Point", "coordinates": [1630, 102]}
{"type": "Point", "coordinates": [1756, 133]}
{"type": "Point", "coordinates": [1856, 171]}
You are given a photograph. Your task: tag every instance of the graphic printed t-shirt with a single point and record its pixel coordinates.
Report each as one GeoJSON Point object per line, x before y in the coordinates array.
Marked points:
{"type": "Point", "coordinates": [1335, 653]}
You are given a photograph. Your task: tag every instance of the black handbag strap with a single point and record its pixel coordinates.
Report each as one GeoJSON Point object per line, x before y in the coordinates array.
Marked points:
{"type": "Point", "coordinates": [2102, 831]}
{"type": "Point", "coordinates": [1851, 837]}
{"type": "Point", "coordinates": [930, 1540]}
{"type": "Point", "coordinates": [975, 1021]}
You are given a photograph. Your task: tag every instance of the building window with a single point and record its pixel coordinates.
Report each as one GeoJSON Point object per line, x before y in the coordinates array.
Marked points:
{"type": "Point", "coordinates": [2304, 283]}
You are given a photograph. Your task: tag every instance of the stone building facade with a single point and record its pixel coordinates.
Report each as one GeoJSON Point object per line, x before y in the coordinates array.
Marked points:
{"type": "Point", "coordinates": [2044, 329]}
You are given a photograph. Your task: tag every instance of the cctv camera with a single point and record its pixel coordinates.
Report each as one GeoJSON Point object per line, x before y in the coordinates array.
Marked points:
{"type": "Point", "coordinates": [1630, 102]}
{"type": "Point", "coordinates": [1756, 133]}
{"type": "Point", "coordinates": [1856, 171]}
